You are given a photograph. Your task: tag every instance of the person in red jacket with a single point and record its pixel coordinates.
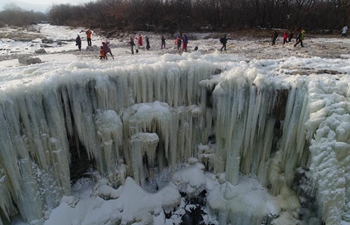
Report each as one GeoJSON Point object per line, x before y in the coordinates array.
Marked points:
{"type": "Point", "coordinates": [285, 37]}
{"type": "Point", "coordinates": [102, 54]}
{"type": "Point", "coordinates": [140, 40]}
{"type": "Point", "coordinates": [106, 48]}
{"type": "Point", "coordinates": [88, 36]}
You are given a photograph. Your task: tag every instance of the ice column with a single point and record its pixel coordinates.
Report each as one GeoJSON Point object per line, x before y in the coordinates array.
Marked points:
{"type": "Point", "coordinates": [143, 155]}
{"type": "Point", "coordinates": [248, 111]}
{"type": "Point", "coordinates": [244, 126]}
{"type": "Point", "coordinates": [156, 118]}
{"type": "Point", "coordinates": [110, 132]}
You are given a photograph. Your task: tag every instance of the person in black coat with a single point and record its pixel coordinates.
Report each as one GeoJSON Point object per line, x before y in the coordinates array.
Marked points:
{"type": "Point", "coordinates": [274, 37]}
{"type": "Point", "coordinates": [300, 38]}
{"type": "Point", "coordinates": [290, 36]}
{"type": "Point", "coordinates": [147, 43]}
{"type": "Point", "coordinates": [223, 41]}
{"type": "Point", "coordinates": [78, 42]}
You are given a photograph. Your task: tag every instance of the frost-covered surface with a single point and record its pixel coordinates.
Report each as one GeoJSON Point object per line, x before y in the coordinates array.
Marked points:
{"type": "Point", "coordinates": [239, 127]}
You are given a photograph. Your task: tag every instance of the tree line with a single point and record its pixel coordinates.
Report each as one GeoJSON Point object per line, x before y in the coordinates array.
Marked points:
{"type": "Point", "coordinates": [198, 15]}
{"type": "Point", "coordinates": [13, 15]}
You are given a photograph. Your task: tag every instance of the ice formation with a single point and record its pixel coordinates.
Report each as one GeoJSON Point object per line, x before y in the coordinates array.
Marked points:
{"type": "Point", "coordinates": [233, 118]}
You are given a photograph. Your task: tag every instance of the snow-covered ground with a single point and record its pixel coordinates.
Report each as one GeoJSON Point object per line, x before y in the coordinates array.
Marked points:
{"type": "Point", "coordinates": [208, 43]}
{"type": "Point", "coordinates": [93, 200]}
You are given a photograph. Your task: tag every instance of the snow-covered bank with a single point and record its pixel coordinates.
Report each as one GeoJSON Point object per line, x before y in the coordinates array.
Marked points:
{"type": "Point", "coordinates": [61, 40]}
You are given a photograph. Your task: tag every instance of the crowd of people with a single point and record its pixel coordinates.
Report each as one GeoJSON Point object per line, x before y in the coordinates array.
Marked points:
{"type": "Point", "coordinates": [88, 33]}
{"type": "Point", "coordinates": [181, 41]}
{"type": "Point", "coordinates": [287, 36]}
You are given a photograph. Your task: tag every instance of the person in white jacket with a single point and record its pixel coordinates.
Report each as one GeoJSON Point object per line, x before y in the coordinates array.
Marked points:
{"type": "Point", "coordinates": [344, 30]}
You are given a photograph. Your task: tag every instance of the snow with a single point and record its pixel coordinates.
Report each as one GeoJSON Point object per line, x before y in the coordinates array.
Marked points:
{"type": "Point", "coordinates": [145, 119]}
{"type": "Point", "coordinates": [128, 203]}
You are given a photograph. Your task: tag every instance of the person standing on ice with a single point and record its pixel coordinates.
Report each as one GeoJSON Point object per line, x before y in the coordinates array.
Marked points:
{"type": "Point", "coordinates": [344, 30]}
{"type": "Point", "coordinates": [178, 42]}
{"type": "Point", "coordinates": [223, 41]}
{"type": "Point", "coordinates": [78, 42]}
{"type": "Point", "coordinates": [139, 41]}
{"type": "Point", "coordinates": [300, 38]}
{"type": "Point", "coordinates": [103, 54]}
{"type": "Point", "coordinates": [285, 37]}
{"type": "Point", "coordinates": [147, 43]}
{"type": "Point", "coordinates": [106, 49]}
{"type": "Point", "coordinates": [185, 42]}
{"type": "Point", "coordinates": [290, 36]}
{"type": "Point", "coordinates": [88, 36]}
{"type": "Point", "coordinates": [163, 42]}
{"type": "Point", "coordinates": [274, 37]}
{"type": "Point", "coordinates": [132, 44]}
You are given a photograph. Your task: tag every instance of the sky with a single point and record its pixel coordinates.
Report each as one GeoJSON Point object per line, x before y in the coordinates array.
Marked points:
{"type": "Point", "coordinates": [42, 6]}
{"type": "Point", "coordinates": [94, 200]}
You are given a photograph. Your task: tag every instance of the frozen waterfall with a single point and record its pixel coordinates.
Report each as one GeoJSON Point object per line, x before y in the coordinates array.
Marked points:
{"type": "Point", "coordinates": [134, 121]}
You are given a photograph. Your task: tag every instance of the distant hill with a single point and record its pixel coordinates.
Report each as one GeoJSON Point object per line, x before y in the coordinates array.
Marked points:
{"type": "Point", "coordinates": [26, 5]}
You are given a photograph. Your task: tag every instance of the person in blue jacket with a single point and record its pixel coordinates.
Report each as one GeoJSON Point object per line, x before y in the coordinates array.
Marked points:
{"type": "Point", "coordinates": [184, 43]}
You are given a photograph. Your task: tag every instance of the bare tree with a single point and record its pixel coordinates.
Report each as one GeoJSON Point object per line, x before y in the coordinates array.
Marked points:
{"type": "Point", "coordinates": [179, 15]}
{"type": "Point", "coordinates": [14, 15]}
{"type": "Point", "coordinates": [60, 14]}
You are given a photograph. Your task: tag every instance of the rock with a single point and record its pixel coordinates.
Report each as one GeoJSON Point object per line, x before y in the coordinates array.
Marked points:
{"type": "Point", "coordinates": [47, 41]}
{"type": "Point", "coordinates": [22, 39]}
{"type": "Point", "coordinates": [45, 46]}
{"type": "Point", "coordinates": [92, 48]}
{"type": "Point", "coordinates": [40, 51]}
{"type": "Point", "coordinates": [314, 221]}
{"type": "Point", "coordinates": [192, 160]}
{"type": "Point", "coordinates": [28, 60]}
{"type": "Point", "coordinates": [113, 45]}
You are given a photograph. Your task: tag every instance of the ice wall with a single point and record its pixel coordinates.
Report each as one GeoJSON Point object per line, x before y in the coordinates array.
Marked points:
{"type": "Point", "coordinates": [260, 130]}
{"type": "Point", "coordinates": [101, 111]}
{"type": "Point", "coordinates": [330, 164]}
{"type": "Point", "coordinates": [137, 120]}
{"type": "Point", "coordinates": [248, 114]}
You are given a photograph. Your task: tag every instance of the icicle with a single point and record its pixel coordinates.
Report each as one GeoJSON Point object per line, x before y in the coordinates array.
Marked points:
{"type": "Point", "coordinates": [67, 110]}
{"type": "Point", "coordinates": [173, 86]}
{"type": "Point", "coordinates": [261, 162]}
{"type": "Point", "coordinates": [143, 144]}
{"type": "Point", "coordinates": [29, 203]}
{"type": "Point", "coordinates": [249, 132]}
{"type": "Point", "coordinates": [82, 111]}
{"type": "Point", "coordinates": [110, 130]}
{"type": "Point", "coordinates": [8, 160]}
{"type": "Point", "coordinates": [6, 205]}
